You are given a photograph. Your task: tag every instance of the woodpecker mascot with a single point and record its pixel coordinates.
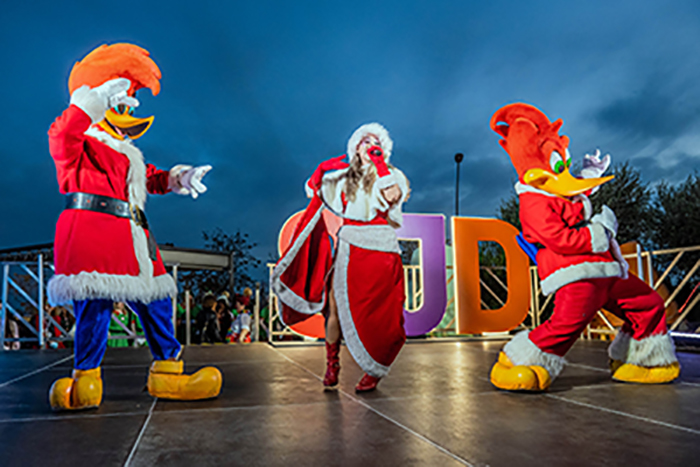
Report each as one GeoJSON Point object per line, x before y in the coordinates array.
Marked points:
{"type": "Point", "coordinates": [104, 250]}
{"type": "Point", "coordinates": [579, 260]}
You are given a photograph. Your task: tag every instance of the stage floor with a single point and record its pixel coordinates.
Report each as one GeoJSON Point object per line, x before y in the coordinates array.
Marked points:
{"type": "Point", "coordinates": [435, 408]}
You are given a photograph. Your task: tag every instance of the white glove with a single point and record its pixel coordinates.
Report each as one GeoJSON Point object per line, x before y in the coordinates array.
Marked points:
{"type": "Point", "coordinates": [594, 166]}
{"type": "Point", "coordinates": [187, 180]}
{"type": "Point", "coordinates": [96, 101]}
{"type": "Point", "coordinates": [606, 217]}
{"type": "Point", "coordinates": [617, 254]}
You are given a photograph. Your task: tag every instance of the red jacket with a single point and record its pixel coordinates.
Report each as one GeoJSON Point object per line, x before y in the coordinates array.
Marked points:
{"type": "Point", "coordinates": [573, 248]}
{"type": "Point", "coordinates": [99, 255]}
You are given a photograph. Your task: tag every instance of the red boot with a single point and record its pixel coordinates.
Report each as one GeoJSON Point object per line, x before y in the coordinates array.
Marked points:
{"type": "Point", "coordinates": [367, 383]}
{"type": "Point", "coordinates": [330, 382]}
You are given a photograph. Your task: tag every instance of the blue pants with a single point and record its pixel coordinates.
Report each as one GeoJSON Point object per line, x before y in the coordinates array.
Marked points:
{"type": "Point", "coordinates": [92, 325]}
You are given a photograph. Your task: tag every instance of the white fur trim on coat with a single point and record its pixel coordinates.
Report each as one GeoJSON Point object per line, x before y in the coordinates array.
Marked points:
{"type": "Point", "coordinates": [652, 351]}
{"type": "Point", "coordinates": [617, 254]}
{"type": "Point", "coordinates": [375, 129]}
{"type": "Point", "coordinates": [371, 237]}
{"type": "Point", "coordinates": [63, 289]}
{"type": "Point", "coordinates": [93, 285]}
{"type": "Point", "coordinates": [365, 206]}
{"type": "Point", "coordinates": [285, 294]}
{"type": "Point", "coordinates": [521, 188]}
{"type": "Point", "coordinates": [600, 241]}
{"type": "Point", "coordinates": [576, 272]}
{"type": "Point", "coordinates": [136, 178]}
{"type": "Point", "coordinates": [310, 192]}
{"type": "Point", "coordinates": [587, 206]}
{"type": "Point", "coordinates": [522, 351]}
{"type": "Point", "coordinates": [347, 325]}
{"type": "Point", "coordinates": [386, 181]}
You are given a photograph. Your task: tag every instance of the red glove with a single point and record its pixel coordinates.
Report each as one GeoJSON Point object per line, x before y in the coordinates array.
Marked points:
{"type": "Point", "coordinates": [376, 155]}
{"type": "Point", "coordinates": [335, 163]}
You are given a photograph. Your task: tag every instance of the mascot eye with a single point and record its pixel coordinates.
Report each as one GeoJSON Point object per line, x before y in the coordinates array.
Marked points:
{"type": "Point", "coordinates": [556, 162]}
{"type": "Point", "coordinates": [121, 108]}
{"type": "Point", "coordinates": [131, 112]}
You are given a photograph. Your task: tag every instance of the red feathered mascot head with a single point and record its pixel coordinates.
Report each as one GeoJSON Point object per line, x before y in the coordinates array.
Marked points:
{"type": "Point", "coordinates": [539, 153]}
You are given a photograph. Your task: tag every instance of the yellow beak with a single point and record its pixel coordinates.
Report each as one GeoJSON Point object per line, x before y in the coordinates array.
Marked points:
{"type": "Point", "coordinates": [563, 184]}
{"type": "Point", "coordinates": [123, 125]}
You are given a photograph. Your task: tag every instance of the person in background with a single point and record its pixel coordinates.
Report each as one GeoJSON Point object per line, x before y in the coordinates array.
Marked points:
{"type": "Point", "coordinates": [61, 318]}
{"type": "Point", "coordinates": [11, 332]}
{"type": "Point", "coordinates": [224, 318]}
{"type": "Point", "coordinates": [118, 326]}
{"type": "Point", "coordinates": [239, 332]}
{"type": "Point", "coordinates": [264, 317]}
{"type": "Point", "coordinates": [206, 320]}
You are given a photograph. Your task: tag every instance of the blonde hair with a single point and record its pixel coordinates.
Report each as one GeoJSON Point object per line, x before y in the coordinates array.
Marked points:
{"type": "Point", "coordinates": [356, 176]}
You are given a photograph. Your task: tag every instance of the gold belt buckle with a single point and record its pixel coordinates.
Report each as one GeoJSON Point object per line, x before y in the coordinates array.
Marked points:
{"type": "Point", "coordinates": [134, 214]}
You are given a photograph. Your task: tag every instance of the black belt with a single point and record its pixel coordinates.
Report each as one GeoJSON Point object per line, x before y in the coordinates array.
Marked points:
{"type": "Point", "coordinates": [115, 207]}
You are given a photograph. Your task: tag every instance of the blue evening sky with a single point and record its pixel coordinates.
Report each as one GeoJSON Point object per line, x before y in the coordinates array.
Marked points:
{"type": "Point", "coordinates": [266, 90]}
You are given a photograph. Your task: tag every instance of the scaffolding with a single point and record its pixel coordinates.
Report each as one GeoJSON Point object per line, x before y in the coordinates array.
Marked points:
{"type": "Point", "coordinates": [26, 270]}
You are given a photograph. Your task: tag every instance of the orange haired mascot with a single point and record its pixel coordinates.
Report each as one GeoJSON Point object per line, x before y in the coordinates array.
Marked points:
{"type": "Point", "coordinates": [579, 259]}
{"type": "Point", "coordinates": [104, 250]}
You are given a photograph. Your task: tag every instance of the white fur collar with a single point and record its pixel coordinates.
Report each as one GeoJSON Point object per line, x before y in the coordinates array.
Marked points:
{"type": "Point", "coordinates": [365, 206]}
{"type": "Point", "coordinates": [136, 178]}
{"type": "Point", "coordinates": [521, 188]}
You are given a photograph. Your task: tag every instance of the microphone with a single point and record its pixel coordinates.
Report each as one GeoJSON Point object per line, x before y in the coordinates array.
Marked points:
{"type": "Point", "coordinates": [375, 151]}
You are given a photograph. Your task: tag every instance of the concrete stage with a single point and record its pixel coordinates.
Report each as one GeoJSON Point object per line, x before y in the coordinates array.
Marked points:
{"type": "Point", "coordinates": [435, 408]}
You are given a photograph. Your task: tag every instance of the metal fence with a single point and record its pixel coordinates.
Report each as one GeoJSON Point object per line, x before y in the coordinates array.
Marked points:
{"type": "Point", "coordinates": [24, 300]}
{"type": "Point", "coordinates": [24, 275]}
{"type": "Point", "coordinates": [494, 292]}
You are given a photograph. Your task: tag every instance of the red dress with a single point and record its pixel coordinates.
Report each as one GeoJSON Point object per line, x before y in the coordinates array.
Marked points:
{"type": "Point", "coordinates": [367, 271]}
{"type": "Point", "coordinates": [97, 255]}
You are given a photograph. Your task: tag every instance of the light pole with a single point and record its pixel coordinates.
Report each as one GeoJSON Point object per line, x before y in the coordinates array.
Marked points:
{"type": "Point", "coordinates": [458, 159]}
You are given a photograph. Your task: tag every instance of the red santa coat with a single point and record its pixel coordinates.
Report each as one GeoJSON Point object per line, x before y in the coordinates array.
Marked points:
{"type": "Point", "coordinates": [573, 249]}
{"type": "Point", "coordinates": [579, 258]}
{"type": "Point", "coordinates": [99, 255]}
{"type": "Point", "coordinates": [367, 271]}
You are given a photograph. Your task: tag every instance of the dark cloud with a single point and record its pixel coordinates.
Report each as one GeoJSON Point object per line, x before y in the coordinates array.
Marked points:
{"type": "Point", "coordinates": [655, 111]}
{"type": "Point", "coordinates": [264, 91]}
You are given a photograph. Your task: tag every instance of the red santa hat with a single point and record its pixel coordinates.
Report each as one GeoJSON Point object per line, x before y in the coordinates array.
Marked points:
{"type": "Point", "coordinates": [371, 129]}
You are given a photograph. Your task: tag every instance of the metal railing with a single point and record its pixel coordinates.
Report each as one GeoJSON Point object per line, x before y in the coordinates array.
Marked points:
{"type": "Point", "coordinates": [17, 277]}
{"type": "Point", "coordinates": [643, 264]}
{"type": "Point", "coordinates": [24, 300]}
{"type": "Point", "coordinates": [495, 289]}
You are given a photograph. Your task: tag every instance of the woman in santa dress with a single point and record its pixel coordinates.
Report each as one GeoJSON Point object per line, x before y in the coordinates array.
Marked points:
{"type": "Point", "coordinates": [361, 289]}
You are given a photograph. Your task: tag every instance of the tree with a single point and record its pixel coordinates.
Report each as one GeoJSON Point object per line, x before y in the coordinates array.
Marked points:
{"type": "Point", "coordinates": [509, 211]}
{"type": "Point", "coordinates": [676, 223]}
{"type": "Point", "coordinates": [629, 197]}
{"type": "Point", "coordinates": [408, 247]}
{"type": "Point", "coordinates": [676, 214]}
{"type": "Point", "coordinates": [243, 260]}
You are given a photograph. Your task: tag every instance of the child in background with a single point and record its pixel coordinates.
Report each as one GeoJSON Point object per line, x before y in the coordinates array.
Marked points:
{"type": "Point", "coordinates": [240, 329]}
{"type": "Point", "coordinates": [224, 317]}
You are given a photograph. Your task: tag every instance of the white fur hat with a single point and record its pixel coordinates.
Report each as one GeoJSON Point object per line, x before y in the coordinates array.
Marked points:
{"type": "Point", "coordinates": [375, 129]}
